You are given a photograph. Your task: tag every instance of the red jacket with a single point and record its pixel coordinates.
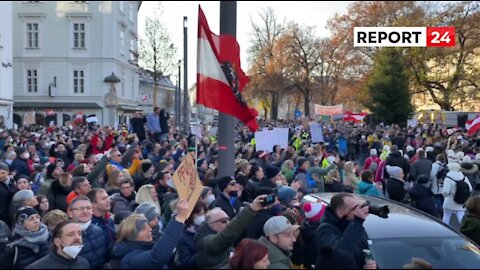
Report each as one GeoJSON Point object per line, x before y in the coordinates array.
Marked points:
{"type": "Point", "coordinates": [106, 145]}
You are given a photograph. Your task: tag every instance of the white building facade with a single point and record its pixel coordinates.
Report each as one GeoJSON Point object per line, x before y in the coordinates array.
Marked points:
{"type": "Point", "coordinates": [64, 51]}
{"type": "Point", "coordinates": [6, 67]}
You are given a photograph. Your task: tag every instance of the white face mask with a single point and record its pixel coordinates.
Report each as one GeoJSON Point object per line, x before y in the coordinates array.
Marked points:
{"type": "Point", "coordinates": [210, 199]}
{"type": "Point", "coordinates": [72, 251]}
{"type": "Point", "coordinates": [84, 226]}
{"type": "Point", "coordinates": [26, 155]}
{"type": "Point", "coordinates": [170, 183]}
{"type": "Point", "coordinates": [199, 220]}
{"type": "Point", "coordinates": [279, 183]}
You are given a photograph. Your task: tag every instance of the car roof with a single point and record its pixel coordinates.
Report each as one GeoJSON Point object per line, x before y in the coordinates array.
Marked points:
{"type": "Point", "coordinates": [402, 222]}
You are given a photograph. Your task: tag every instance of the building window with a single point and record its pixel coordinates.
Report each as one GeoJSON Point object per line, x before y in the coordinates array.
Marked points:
{"type": "Point", "coordinates": [121, 6]}
{"type": "Point", "coordinates": [32, 81]}
{"type": "Point", "coordinates": [131, 11]}
{"type": "Point", "coordinates": [122, 41]}
{"type": "Point", "coordinates": [78, 81]}
{"type": "Point", "coordinates": [32, 35]}
{"type": "Point", "coordinates": [79, 35]}
{"type": "Point", "coordinates": [132, 49]}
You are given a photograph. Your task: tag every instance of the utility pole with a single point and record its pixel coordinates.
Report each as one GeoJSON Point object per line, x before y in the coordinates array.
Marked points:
{"type": "Point", "coordinates": [178, 96]}
{"type": "Point", "coordinates": [226, 123]}
{"type": "Point", "coordinates": [186, 116]}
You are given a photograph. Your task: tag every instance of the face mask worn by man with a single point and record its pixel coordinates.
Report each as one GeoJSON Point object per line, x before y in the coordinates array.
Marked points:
{"type": "Point", "coordinates": [72, 251]}
{"type": "Point", "coordinates": [199, 220]}
{"type": "Point", "coordinates": [210, 199]}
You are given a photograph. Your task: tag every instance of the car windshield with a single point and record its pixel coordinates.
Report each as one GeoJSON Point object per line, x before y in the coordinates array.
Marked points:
{"type": "Point", "coordinates": [452, 253]}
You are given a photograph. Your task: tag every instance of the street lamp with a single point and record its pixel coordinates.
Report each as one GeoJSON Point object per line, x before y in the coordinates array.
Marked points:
{"type": "Point", "coordinates": [111, 99]}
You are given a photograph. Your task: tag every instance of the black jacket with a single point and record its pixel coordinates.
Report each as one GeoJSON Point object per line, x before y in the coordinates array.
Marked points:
{"type": "Point", "coordinates": [164, 116]}
{"type": "Point", "coordinates": [5, 199]}
{"type": "Point", "coordinates": [138, 126]}
{"type": "Point", "coordinates": [255, 230]}
{"type": "Point", "coordinates": [223, 202]}
{"type": "Point", "coordinates": [248, 194]}
{"type": "Point", "coordinates": [396, 159]}
{"type": "Point", "coordinates": [308, 231]}
{"type": "Point", "coordinates": [26, 253]}
{"type": "Point", "coordinates": [423, 198]}
{"type": "Point", "coordinates": [55, 261]}
{"type": "Point", "coordinates": [57, 196]}
{"type": "Point", "coordinates": [396, 189]}
{"type": "Point", "coordinates": [349, 236]}
{"type": "Point", "coordinates": [419, 167]}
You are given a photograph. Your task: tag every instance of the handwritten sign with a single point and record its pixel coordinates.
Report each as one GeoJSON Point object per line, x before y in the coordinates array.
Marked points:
{"type": "Point", "coordinates": [187, 183]}
{"type": "Point", "coordinates": [317, 132]}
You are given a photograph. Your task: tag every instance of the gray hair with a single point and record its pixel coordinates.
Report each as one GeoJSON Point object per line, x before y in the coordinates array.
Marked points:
{"type": "Point", "coordinates": [23, 195]}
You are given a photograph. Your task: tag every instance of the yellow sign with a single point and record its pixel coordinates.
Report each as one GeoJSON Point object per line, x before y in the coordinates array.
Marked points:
{"type": "Point", "coordinates": [187, 183]}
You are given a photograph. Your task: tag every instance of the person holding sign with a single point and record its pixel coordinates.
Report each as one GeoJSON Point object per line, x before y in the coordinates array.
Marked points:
{"type": "Point", "coordinates": [215, 238]}
{"type": "Point", "coordinates": [135, 248]}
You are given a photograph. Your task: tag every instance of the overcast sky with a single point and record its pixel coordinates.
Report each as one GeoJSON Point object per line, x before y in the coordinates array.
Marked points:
{"type": "Point", "coordinates": [302, 12]}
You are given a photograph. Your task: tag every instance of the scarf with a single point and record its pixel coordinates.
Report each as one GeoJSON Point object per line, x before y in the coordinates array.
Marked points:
{"type": "Point", "coordinates": [118, 165]}
{"type": "Point", "coordinates": [38, 237]}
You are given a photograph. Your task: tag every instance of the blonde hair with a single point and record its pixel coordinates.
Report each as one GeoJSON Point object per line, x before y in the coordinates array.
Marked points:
{"type": "Point", "coordinates": [286, 164]}
{"type": "Point", "coordinates": [143, 195]}
{"type": "Point", "coordinates": [128, 227]}
{"type": "Point", "coordinates": [54, 216]}
{"type": "Point", "coordinates": [112, 180]}
{"type": "Point", "coordinates": [349, 167]}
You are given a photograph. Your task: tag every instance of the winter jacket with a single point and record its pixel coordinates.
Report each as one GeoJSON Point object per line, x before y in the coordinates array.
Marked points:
{"type": "Point", "coordinates": [248, 194]}
{"type": "Point", "coordinates": [421, 166]}
{"type": "Point", "coordinates": [123, 205]}
{"type": "Point", "coordinates": [54, 261]}
{"type": "Point", "coordinates": [213, 249]}
{"type": "Point", "coordinates": [255, 230]}
{"type": "Point", "coordinates": [471, 227]}
{"type": "Point", "coordinates": [279, 259]}
{"type": "Point", "coordinates": [150, 255]}
{"type": "Point", "coordinates": [25, 253]}
{"type": "Point", "coordinates": [396, 159]}
{"type": "Point", "coordinates": [347, 235]}
{"type": "Point", "coordinates": [308, 231]}
{"type": "Point", "coordinates": [223, 202]}
{"type": "Point", "coordinates": [423, 199]}
{"type": "Point", "coordinates": [20, 166]}
{"type": "Point", "coordinates": [108, 228]}
{"type": "Point", "coordinates": [107, 144]}
{"type": "Point", "coordinates": [449, 189]}
{"type": "Point", "coordinates": [57, 196]}
{"type": "Point", "coordinates": [5, 199]}
{"type": "Point", "coordinates": [396, 189]}
{"type": "Point", "coordinates": [94, 247]}
{"type": "Point", "coordinates": [370, 160]}
{"type": "Point", "coordinates": [186, 251]}
{"type": "Point", "coordinates": [368, 188]}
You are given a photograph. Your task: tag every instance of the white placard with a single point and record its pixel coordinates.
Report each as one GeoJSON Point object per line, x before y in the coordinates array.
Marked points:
{"type": "Point", "coordinates": [317, 132]}
{"type": "Point", "coordinates": [282, 137]}
{"type": "Point", "coordinates": [265, 140]}
{"type": "Point", "coordinates": [196, 130]}
{"type": "Point", "coordinates": [92, 119]}
{"type": "Point", "coordinates": [213, 131]}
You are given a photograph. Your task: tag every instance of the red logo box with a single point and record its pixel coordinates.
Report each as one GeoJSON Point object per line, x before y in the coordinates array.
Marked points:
{"type": "Point", "coordinates": [441, 36]}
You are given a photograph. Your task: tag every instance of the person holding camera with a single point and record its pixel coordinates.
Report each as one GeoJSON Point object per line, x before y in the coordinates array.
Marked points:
{"type": "Point", "coordinates": [342, 228]}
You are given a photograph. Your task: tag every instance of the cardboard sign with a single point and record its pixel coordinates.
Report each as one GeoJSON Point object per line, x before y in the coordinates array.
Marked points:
{"type": "Point", "coordinates": [187, 183]}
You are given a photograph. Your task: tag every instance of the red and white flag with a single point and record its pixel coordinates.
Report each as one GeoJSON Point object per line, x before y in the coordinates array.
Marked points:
{"type": "Point", "coordinates": [49, 112]}
{"type": "Point", "coordinates": [220, 79]}
{"type": "Point", "coordinates": [355, 117]}
{"type": "Point", "coordinates": [473, 125]}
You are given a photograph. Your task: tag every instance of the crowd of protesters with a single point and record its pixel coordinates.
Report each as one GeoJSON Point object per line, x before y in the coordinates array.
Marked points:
{"type": "Point", "coordinates": [87, 196]}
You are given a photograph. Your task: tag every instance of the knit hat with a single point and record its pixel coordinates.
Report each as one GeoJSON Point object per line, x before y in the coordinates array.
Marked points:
{"type": "Point", "coordinates": [334, 258]}
{"type": "Point", "coordinates": [4, 167]}
{"type": "Point", "coordinates": [147, 209]}
{"type": "Point", "coordinates": [286, 194]}
{"type": "Point", "coordinates": [454, 167]}
{"type": "Point", "coordinates": [20, 150]}
{"type": "Point", "coordinates": [23, 214]}
{"type": "Point", "coordinates": [271, 171]}
{"type": "Point", "coordinates": [373, 152]}
{"type": "Point", "coordinates": [23, 195]}
{"type": "Point", "coordinates": [314, 211]}
{"type": "Point", "coordinates": [146, 166]}
{"type": "Point", "coordinates": [394, 171]}
{"type": "Point", "coordinates": [223, 182]}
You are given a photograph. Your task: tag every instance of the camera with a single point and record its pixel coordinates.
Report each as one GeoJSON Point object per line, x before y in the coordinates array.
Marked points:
{"type": "Point", "coordinates": [381, 211]}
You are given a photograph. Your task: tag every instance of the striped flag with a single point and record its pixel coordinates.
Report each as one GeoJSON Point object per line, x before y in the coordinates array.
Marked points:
{"type": "Point", "coordinates": [354, 117]}
{"type": "Point", "coordinates": [473, 125]}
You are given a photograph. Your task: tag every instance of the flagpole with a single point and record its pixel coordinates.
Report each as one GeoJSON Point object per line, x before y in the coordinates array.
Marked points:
{"type": "Point", "coordinates": [226, 123]}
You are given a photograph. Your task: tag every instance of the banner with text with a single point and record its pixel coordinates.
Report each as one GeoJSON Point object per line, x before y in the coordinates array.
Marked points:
{"type": "Point", "coordinates": [187, 183]}
{"type": "Point", "coordinates": [328, 110]}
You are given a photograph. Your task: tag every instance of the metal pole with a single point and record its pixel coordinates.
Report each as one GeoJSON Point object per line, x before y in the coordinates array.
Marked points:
{"type": "Point", "coordinates": [178, 114]}
{"type": "Point", "coordinates": [186, 116]}
{"type": "Point", "coordinates": [226, 123]}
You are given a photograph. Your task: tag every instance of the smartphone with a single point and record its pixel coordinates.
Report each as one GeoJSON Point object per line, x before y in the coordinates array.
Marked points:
{"type": "Point", "coordinates": [270, 199]}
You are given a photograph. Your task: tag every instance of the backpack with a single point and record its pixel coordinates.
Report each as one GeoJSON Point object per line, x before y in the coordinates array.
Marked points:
{"type": "Point", "coordinates": [463, 191]}
{"type": "Point", "coordinates": [441, 174]}
{"type": "Point", "coordinates": [373, 167]}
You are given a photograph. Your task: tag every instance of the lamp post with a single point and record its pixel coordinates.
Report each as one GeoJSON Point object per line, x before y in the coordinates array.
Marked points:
{"type": "Point", "coordinates": [178, 96]}
{"type": "Point", "coordinates": [111, 100]}
{"type": "Point", "coordinates": [186, 115]}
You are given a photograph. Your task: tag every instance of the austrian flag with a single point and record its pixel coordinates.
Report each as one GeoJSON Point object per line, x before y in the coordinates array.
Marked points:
{"type": "Point", "coordinates": [354, 117]}
{"type": "Point", "coordinates": [220, 79]}
{"type": "Point", "coordinates": [473, 125]}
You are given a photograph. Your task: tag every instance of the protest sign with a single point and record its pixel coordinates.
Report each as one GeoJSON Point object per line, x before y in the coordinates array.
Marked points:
{"type": "Point", "coordinates": [328, 110]}
{"type": "Point", "coordinates": [316, 132]}
{"type": "Point", "coordinates": [266, 139]}
{"type": "Point", "coordinates": [187, 183]}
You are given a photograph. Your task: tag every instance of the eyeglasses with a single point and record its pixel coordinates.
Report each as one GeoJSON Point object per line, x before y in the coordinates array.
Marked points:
{"type": "Point", "coordinates": [83, 208]}
{"type": "Point", "coordinates": [222, 220]}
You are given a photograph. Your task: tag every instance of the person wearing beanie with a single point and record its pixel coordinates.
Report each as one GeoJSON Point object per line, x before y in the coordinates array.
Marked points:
{"type": "Point", "coordinates": [272, 178]}
{"type": "Point", "coordinates": [288, 197]}
{"type": "Point", "coordinates": [20, 164]}
{"type": "Point", "coordinates": [395, 184]}
{"type": "Point", "coordinates": [422, 195]}
{"type": "Point", "coordinates": [30, 240]}
{"type": "Point", "coordinates": [206, 196]}
{"type": "Point", "coordinates": [53, 173]}
{"type": "Point", "coordinates": [333, 258]}
{"type": "Point", "coordinates": [450, 206]}
{"type": "Point", "coordinates": [227, 199]}
{"type": "Point", "coordinates": [313, 214]}
{"type": "Point", "coordinates": [148, 210]}
{"type": "Point", "coordinates": [395, 158]}
{"type": "Point", "coordinates": [5, 193]}
{"type": "Point", "coordinates": [300, 173]}
{"type": "Point", "coordinates": [371, 163]}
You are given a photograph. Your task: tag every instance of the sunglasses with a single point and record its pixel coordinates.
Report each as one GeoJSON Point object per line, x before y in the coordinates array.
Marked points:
{"type": "Point", "coordinates": [222, 220]}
